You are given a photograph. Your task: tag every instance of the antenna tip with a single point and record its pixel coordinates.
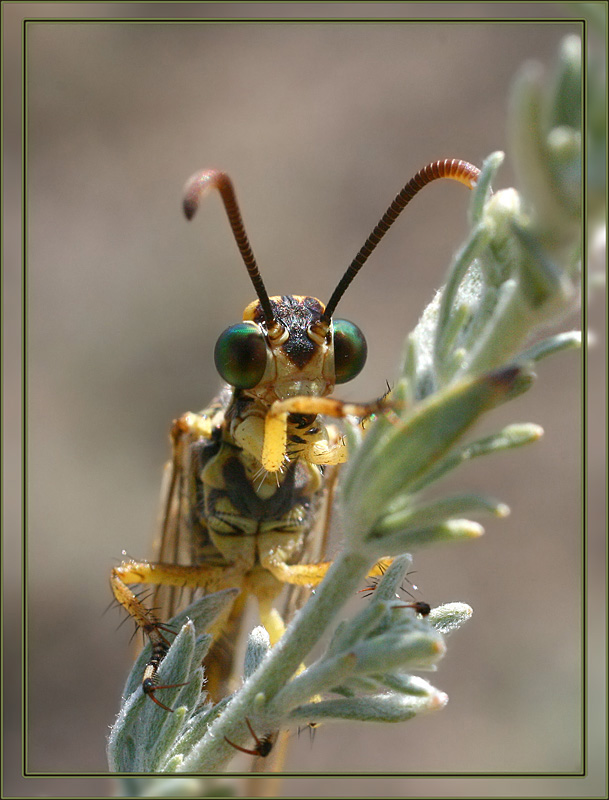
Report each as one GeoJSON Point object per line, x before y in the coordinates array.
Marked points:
{"type": "Point", "coordinates": [189, 206]}
{"type": "Point", "coordinates": [197, 186]}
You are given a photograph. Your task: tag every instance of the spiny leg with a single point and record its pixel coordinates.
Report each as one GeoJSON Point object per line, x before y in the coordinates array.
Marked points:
{"type": "Point", "coordinates": [208, 577]}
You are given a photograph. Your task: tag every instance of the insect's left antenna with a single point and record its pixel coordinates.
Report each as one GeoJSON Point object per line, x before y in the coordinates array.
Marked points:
{"type": "Point", "coordinates": [197, 186]}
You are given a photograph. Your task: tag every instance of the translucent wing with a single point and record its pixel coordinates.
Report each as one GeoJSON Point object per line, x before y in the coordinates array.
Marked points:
{"type": "Point", "coordinates": [173, 545]}
{"type": "Point", "coordinates": [182, 537]}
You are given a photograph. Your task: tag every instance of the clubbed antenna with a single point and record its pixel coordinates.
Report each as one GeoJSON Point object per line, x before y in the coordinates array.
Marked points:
{"type": "Point", "coordinates": [451, 168]}
{"type": "Point", "coordinates": [197, 186]}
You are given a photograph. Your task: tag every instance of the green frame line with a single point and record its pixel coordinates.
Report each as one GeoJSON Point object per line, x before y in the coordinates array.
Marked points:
{"type": "Point", "coordinates": [25, 23]}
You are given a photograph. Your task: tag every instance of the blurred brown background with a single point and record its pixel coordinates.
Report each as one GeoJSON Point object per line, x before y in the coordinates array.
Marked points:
{"type": "Point", "coordinates": [319, 126]}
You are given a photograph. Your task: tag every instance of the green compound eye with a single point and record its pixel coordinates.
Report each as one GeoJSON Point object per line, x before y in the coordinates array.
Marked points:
{"type": "Point", "coordinates": [240, 355]}
{"type": "Point", "coordinates": [350, 350]}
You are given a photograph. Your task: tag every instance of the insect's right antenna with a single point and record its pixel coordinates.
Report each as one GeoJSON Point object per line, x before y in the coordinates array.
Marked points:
{"type": "Point", "coordinates": [461, 171]}
{"type": "Point", "coordinates": [197, 186]}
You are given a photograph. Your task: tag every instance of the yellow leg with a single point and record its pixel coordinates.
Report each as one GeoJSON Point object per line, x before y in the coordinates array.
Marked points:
{"type": "Point", "coordinates": [312, 574]}
{"type": "Point", "coordinates": [192, 424]}
{"type": "Point", "coordinates": [271, 620]}
{"type": "Point", "coordinates": [275, 440]}
{"type": "Point", "coordinates": [208, 577]}
{"type": "Point", "coordinates": [296, 574]}
{"type": "Point", "coordinates": [275, 428]}
{"type": "Point", "coordinates": [379, 568]}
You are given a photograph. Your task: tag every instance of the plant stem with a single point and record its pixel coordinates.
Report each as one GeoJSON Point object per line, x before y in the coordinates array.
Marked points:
{"type": "Point", "coordinates": [282, 662]}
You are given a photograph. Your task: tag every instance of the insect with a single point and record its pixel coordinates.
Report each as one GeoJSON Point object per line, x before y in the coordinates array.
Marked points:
{"type": "Point", "coordinates": [250, 475]}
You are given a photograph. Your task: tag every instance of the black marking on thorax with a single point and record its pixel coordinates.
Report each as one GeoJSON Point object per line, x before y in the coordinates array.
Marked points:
{"type": "Point", "coordinates": [302, 421]}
